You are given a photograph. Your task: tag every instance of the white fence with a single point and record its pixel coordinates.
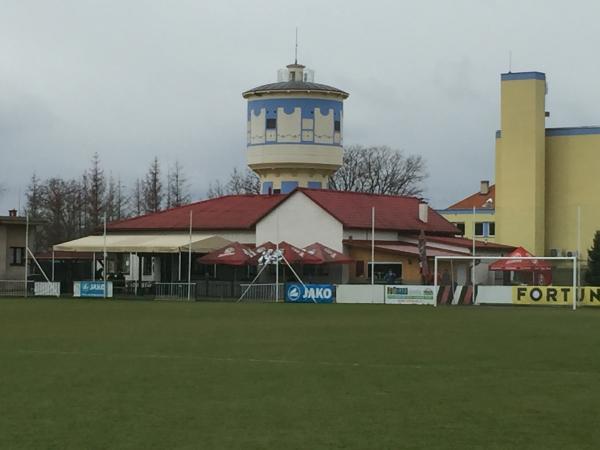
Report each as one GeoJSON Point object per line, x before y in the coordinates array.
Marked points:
{"type": "Point", "coordinates": [44, 289]}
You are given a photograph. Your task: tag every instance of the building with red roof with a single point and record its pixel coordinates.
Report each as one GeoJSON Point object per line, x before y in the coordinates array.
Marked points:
{"type": "Point", "coordinates": [474, 215]}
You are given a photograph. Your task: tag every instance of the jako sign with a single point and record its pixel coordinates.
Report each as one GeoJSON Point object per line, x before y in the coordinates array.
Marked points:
{"type": "Point", "coordinates": [309, 293]}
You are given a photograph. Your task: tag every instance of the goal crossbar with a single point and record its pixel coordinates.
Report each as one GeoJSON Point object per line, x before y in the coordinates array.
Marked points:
{"type": "Point", "coordinates": [474, 258]}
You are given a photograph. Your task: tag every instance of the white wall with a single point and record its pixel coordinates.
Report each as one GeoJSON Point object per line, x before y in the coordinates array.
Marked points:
{"type": "Point", "coordinates": [301, 222]}
{"type": "Point", "coordinates": [359, 293]}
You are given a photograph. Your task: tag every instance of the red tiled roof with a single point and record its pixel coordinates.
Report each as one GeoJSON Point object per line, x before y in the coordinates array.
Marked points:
{"type": "Point", "coordinates": [231, 212]}
{"type": "Point", "coordinates": [468, 243]}
{"type": "Point", "coordinates": [477, 200]}
{"type": "Point", "coordinates": [240, 212]}
{"type": "Point", "coordinates": [392, 212]}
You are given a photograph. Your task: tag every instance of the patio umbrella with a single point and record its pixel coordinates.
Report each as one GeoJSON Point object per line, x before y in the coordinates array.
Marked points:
{"type": "Point", "coordinates": [293, 254]}
{"type": "Point", "coordinates": [521, 265]}
{"type": "Point", "coordinates": [327, 254]}
{"type": "Point", "coordinates": [234, 254]}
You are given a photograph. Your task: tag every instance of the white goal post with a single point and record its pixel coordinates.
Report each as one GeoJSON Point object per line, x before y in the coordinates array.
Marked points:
{"type": "Point", "coordinates": [474, 259]}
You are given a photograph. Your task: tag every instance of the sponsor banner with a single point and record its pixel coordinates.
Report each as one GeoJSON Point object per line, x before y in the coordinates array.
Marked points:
{"type": "Point", "coordinates": [409, 295]}
{"type": "Point", "coordinates": [92, 289]}
{"type": "Point", "coordinates": [554, 295]}
{"type": "Point", "coordinates": [309, 293]}
{"type": "Point", "coordinates": [359, 293]}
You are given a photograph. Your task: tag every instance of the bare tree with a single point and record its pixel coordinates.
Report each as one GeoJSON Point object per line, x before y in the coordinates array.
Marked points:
{"type": "Point", "coordinates": [34, 198]}
{"type": "Point", "coordinates": [240, 182]}
{"type": "Point", "coordinates": [216, 189]}
{"type": "Point", "coordinates": [137, 199]}
{"type": "Point", "coordinates": [96, 188]}
{"type": "Point", "coordinates": [153, 189]}
{"type": "Point", "coordinates": [380, 170]}
{"type": "Point", "coordinates": [177, 187]}
{"type": "Point", "coordinates": [243, 182]}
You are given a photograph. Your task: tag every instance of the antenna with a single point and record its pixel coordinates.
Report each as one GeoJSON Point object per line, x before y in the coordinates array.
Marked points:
{"type": "Point", "coordinates": [510, 61]}
{"type": "Point", "coordinates": [296, 54]}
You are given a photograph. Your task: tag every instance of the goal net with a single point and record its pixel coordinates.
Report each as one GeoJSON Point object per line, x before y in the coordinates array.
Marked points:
{"type": "Point", "coordinates": [516, 280]}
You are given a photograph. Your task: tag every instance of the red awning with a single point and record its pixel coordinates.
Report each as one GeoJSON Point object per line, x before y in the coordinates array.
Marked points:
{"type": "Point", "coordinates": [328, 255]}
{"type": "Point", "coordinates": [292, 254]}
{"type": "Point", "coordinates": [234, 254]}
{"type": "Point", "coordinates": [520, 265]}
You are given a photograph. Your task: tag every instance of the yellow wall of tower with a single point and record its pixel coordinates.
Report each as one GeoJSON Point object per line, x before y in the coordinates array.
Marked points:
{"type": "Point", "coordinates": [521, 163]}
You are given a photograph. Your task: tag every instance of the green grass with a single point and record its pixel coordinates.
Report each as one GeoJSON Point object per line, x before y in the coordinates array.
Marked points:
{"type": "Point", "coordinates": [78, 374]}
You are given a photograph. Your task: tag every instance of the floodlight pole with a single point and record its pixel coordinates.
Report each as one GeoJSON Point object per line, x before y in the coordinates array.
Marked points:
{"type": "Point", "coordinates": [53, 264]}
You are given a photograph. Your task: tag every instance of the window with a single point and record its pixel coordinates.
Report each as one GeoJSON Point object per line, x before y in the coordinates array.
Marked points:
{"type": "Point", "coordinates": [492, 228]}
{"type": "Point", "coordinates": [122, 263]}
{"type": "Point", "coordinates": [337, 125]}
{"type": "Point", "coordinates": [460, 226]}
{"type": "Point", "coordinates": [267, 187]}
{"type": "Point", "coordinates": [288, 186]}
{"type": "Point", "coordinates": [147, 265]}
{"type": "Point", "coordinates": [271, 124]}
{"type": "Point", "coordinates": [390, 272]}
{"type": "Point", "coordinates": [17, 256]}
{"type": "Point", "coordinates": [314, 185]}
{"type": "Point", "coordinates": [478, 228]}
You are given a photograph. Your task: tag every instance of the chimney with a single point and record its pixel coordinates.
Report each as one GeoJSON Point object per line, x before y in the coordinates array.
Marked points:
{"type": "Point", "coordinates": [12, 213]}
{"type": "Point", "coordinates": [485, 187]}
{"type": "Point", "coordinates": [423, 211]}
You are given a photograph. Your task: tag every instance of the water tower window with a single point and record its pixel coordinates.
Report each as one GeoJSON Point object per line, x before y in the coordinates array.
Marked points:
{"type": "Point", "coordinates": [292, 76]}
{"type": "Point", "coordinates": [337, 125]}
{"type": "Point", "coordinates": [271, 124]}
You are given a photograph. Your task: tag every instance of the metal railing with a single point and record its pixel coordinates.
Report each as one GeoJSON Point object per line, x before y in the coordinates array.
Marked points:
{"type": "Point", "coordinates": [264, 292]}
{"type": "Point", "coordinates": [16, 288]}
{"type": "Point", "coordinates": [175, 291]}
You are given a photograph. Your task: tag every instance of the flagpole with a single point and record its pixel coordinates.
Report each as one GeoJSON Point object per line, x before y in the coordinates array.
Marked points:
{"type": "Point", "coordinates": [104, 262]}
{"type": "Point", "coordinates": [190, 261]}
{"type": "Point", "coordinates": [26, 251]}
{"type": "Point", "coordinates": [473, 253]}
{"type": "Point", "coordinates": [373, 245]}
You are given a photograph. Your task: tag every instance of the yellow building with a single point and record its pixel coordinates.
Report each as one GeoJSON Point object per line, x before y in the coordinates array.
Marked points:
{"type": "Point", "coordinates": [543, 176]}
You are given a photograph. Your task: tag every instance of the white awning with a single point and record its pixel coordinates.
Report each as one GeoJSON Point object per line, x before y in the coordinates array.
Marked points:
{"type": "Point", "coordinates": [145, 243]}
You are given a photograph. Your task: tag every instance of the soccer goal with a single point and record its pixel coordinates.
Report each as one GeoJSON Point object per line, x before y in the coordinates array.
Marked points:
{"type": "Point", "coordinates": [516, 280]}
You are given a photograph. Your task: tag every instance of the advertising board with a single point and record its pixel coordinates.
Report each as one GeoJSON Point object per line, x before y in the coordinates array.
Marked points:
{"type": "Point", "coordinates": [309, 293]}
{"type": "Point", "coordinates": [409, 295]}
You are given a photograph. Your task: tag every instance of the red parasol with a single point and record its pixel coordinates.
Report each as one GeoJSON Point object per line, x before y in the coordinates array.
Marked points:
{"type": "Point", "coordinates": [328, 255]}
{"type": "Point", "coordinates": [234, 254]}
{"type": "Point", "coordinates": [292, 254]}
{"type": "Point", "coordinates": [521, 265]}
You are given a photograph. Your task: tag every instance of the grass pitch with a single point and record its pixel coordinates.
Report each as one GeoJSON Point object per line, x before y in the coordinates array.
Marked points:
{"type": "Point", "coordinates": [78, 374]}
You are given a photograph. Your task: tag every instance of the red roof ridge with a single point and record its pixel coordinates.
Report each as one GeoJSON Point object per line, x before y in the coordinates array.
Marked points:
{"type": "Point", "coordinates": [468, 201]}
{"type": "Point", "coordinates": [372, 194]}
{"type": "Point", "coordinates": [198, 202]}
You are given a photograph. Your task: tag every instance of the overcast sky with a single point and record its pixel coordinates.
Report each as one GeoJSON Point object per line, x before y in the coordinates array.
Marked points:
{"type": "Point", "coordinates": [135, 79]}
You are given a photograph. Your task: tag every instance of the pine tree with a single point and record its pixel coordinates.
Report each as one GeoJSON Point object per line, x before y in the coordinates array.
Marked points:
{"type": "Point", "coordinates": [153, 193]}
{"type": "Point", "coordinates": [95, 194]}
{"type": "Point", "coordinates": [177, 190]}
{"type": "Point", "coordinates": [592, 275]}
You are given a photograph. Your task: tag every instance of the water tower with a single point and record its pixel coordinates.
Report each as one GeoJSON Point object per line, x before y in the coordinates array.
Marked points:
{"type": "Point", "coordinates": [295, 130]}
